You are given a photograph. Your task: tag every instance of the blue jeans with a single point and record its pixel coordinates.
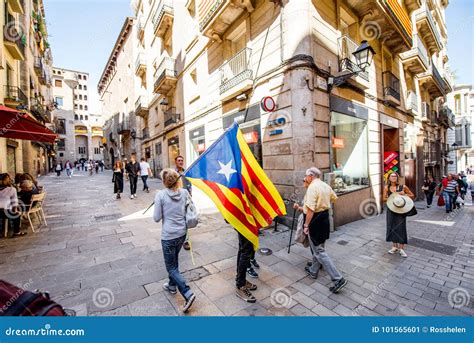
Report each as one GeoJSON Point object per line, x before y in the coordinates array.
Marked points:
{"type": "Point", "coordinates": [171, 250]}
{"type": "Point", "coordinates": [144, 178]}
{"type": "Point", "coordinates": [448, 200]}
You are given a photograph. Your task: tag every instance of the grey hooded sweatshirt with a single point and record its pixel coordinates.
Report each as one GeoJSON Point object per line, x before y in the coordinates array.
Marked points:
{"type": "Point", "coordinates": [170, 207]}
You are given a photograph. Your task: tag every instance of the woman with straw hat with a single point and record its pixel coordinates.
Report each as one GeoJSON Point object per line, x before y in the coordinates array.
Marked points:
{"type": "Point", "coordinates": [399, 203]}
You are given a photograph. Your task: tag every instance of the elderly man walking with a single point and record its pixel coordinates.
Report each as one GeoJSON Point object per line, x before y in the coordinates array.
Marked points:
{"type": "Point", "coordinates": [317, 202]}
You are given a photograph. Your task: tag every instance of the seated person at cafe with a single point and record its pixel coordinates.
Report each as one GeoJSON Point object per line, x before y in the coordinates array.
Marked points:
{"type": "Point", "coordinates": [9, 204]}
{"type": "Point", "coordinates": [27, 189]}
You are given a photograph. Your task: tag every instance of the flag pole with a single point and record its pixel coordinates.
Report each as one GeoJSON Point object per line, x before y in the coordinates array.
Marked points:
{"type": "Point", "coordinates": [291, 232]}
{"type": "Point", "coordinates": [180, 175]}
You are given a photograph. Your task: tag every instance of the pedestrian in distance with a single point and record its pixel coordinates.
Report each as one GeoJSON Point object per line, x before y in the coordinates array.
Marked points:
{"type": "Point", "coordinates": [96, 165]}
{"type": "Point", "coordinates": [429, 187]}
{"type": "Point", "coordinates": [396, 219]}
{"type": "Point", "coordinates": [170, 208]}
{"type": "Point", "coordinates": [68, 168]}
{"type": "Point", "coordinates": [180, 168]}
{"type": "Point", "coordinates": [91, 167]}
{"type": "Point", "coordinates": [133, 170]}
{"type": "Point", "coordinates": [316, 204]}
{"type": "Point", "coordinates": [117, 178]}
{"type": "Point", "coordinates": [145, 172]}
{"type": "Point", "coordinates": [58, 168]}
{"type": "Point", "coordinates": [449, 190]}
{"type": "Point", "coordinates": [471, 186]}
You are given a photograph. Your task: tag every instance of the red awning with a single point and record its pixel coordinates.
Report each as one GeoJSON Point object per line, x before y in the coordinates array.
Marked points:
{"type": "Point", "coordinates": [17, 125]}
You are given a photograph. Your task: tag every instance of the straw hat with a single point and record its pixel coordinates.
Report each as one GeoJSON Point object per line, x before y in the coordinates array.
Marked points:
{"type": "Point", "coordinates": [399, 203]}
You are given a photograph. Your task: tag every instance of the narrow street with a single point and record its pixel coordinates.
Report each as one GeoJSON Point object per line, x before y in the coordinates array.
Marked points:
{"type": "Point", "coordinates": [100, 256]}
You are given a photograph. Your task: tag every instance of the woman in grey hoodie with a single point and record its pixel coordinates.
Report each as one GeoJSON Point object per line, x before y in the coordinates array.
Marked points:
{"type": "Point", "coordinates": [170, 206]}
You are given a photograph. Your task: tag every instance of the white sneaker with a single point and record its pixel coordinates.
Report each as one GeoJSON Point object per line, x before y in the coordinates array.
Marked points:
{"type": "Point", "coordinates": [131, 196]}
{"type": "Point", "coordinates": [393, 250]}
{"type": "Point", "coordinates": [134, 195]}
{"type": "Point", "coordinates": [403, 253]}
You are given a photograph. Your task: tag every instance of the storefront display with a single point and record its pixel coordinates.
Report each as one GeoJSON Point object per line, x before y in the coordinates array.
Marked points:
{"type": "Point", "coordinates": [198, 143]}
{"type": "Point", "coordinates": [173, 150]}
{"type": "Point", "coordinates": [349, 153]}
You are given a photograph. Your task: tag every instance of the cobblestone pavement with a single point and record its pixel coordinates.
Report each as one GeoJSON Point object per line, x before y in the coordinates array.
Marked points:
{"type": "Point", "coordinates": [92, 262]}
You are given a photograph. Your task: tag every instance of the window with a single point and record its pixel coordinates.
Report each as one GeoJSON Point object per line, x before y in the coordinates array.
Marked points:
{"type": "Point", "coordinates": [84, 77]}
{"type": "Point", "coordinates": [85, 107]}
{"type": "Point", "coordinates": [80, 86]}
{"type": "Point", "coordinates": [59, 101]}
{"type": "Point", "coordinates": [81, 107]}
{"type": "Point", "coordinates": [82, 149]}
{"type": "Point", "coordinates": [62, 144]}
{"type": "Point", "coordinates": [85, 97]}
{"type": "Point", "coordinates": [87, 117]}
{"type": "Point", "coordinates": [85, 87]}
{"type": "Point", "coordinates": [457, 104]}
{"type": "Point", "coordinates": [97, 150]}
{"type": "Point", "coordinates": [349, 144]}
{"type": "Point", "coordinates": [80, 77]}
{"type": "Point", "coordinates": [80, 96]}
{"type": "Point", "coordinates": [75, 106]}
{"type": "Point", "coordinates": [75, 96]}
{"type": "Point", "coordinates": [76, 117]}
{"type": "Point", "coordinates": [58, 83]}
{"type": "Point", "coordinates": [82, 117]}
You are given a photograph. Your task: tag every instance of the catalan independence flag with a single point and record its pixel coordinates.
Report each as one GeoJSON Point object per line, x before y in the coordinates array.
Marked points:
{"type": "Point", "coordinates": [230, 175]}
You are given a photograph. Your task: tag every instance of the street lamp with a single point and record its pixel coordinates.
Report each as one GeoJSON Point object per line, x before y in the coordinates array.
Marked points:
{"type": "Point", "coordinates": [364, 55]}
{"type": "Point", "coordinates": [454, 147]}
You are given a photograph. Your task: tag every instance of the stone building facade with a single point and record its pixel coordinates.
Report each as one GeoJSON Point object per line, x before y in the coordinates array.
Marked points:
{"type": "Point", "coordinates": [25, 74]}
{"type": "Point", "coordinates": [200, 65]}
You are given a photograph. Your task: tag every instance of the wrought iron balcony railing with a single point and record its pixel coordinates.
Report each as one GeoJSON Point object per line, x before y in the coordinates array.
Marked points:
{"type": "Point", "coordinates": [171, 117]}
{"type": "Point", "coordinates": [391, 85]}
{"type": "Point", "coordinates": [16, 95]}
{"type": "Point", "coordinates": [235, 70]}
{"type": "Point", "coordinates": [347, 61]}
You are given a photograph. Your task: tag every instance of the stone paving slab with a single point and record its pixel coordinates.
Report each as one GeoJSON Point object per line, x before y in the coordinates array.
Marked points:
{"type": "Point", "coordinates": [101, 256]}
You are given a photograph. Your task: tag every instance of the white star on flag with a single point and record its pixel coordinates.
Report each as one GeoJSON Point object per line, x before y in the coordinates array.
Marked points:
{"type": "Point", "coordinates": [226, 169]}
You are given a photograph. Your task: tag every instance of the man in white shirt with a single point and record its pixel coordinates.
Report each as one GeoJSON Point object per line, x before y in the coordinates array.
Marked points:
{"type": "Point", "coordinates": [145, 171]}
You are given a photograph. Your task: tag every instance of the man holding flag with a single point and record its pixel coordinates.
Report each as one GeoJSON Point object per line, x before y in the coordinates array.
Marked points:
{"type": "Point", "coordinates": [231, 176]}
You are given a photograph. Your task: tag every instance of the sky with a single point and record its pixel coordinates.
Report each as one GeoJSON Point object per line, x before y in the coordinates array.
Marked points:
{"type": "Point", "coordinates": [83, 33]}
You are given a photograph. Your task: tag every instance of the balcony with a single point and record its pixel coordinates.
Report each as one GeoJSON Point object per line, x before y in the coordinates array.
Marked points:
{"type": "Point", "coordinates": [81, 130]}
{"type": "Point", "coordinates": [14, 96]}
{"type": "Point", "coordinates": [141, 106]}
{"type": "Point", "coordinates": [163, 18]}
{"type": "Point", "coordinates": [216, 16]}
{"type": "Point", "coordinates": [446, 117]}
{"type": "Point", "coordinates": [384, 20]}
{"type": "Point", "coordinates": [236, 74]}
{"type": "Point", "coordinates": [13, 40]}
{"type": "Point", "coordinates": [16, 6]}
{"type": "Point", "coordinates": [416, 59]}
{"type": "Point", "coordinates": [348, 64]}
{"type": "Point", "coordinates": [123, 127]}
{"type": "Point", "coordinates": [433, 82]}
{"type": "Point", "coordinates": [412, 102]}
{"type": "Point", "coordinates": [391, 88]}
{"type": "Point", "coordinates": [38, 64]}
{"type": "Point", "coordinates": [165, 76]}
{"type": "Point", "coordinates": [171, 117]}
{"type": "Point", "coordinates": [38, 110]}
{"type": "Point", "coordinates": [140, 65]}
{"type": "Point", "coordinates": [448, 80]}
{"type": "Point", "coordinates": [426, 25]}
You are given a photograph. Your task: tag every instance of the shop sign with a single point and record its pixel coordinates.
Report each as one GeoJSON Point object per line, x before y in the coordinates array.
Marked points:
{"type": "Point", "coordinates": [391, 163]}
{"type": "Point", "coordinates": [251, 137]}
{"type": "Point", "coordinates": [338, 143]}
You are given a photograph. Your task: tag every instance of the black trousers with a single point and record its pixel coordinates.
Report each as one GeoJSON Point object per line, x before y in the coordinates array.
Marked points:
{"type": "Point", "coordinates": [246, 252]}
{"type": "Point", "coordinates": [133, 184]}
{"type": "Point", "coordinates": [11, 217]}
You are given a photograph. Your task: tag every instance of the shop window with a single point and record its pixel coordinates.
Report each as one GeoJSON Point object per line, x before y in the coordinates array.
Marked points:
{"type": "Point", "coordinates": [349, 145]}
{"type": "Point", "coordinates": [198, 143]}
{"type": "Point", "coordinates": [173, 150]}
